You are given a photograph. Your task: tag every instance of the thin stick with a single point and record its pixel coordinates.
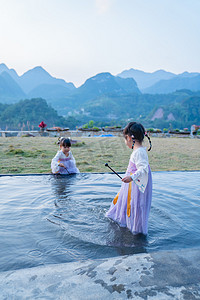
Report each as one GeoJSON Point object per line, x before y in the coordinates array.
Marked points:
{"type": "Point", "coordinates": [65, 169]}
{"type": "Point", "coordinates": [106, 165]}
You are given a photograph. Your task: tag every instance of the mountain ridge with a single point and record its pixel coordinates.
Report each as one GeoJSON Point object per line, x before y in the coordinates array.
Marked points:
{"type": "Point", "coordinates": [145, 79]}
{"type": "Point", "coordinates": [106, 83]}
{"type": "Point", "coordinates": [9, 88]}
{"type": "Point", "coordinates": [104, 96]}
{"type": "Point", "coordinates": [34, 77]}
{"type": "Point", "coordinates": [160, 81]}
{"type": "Point", "coordinates": [180, 82]}
{"type": "Point", "coordinates": [149, 82]}
{"type": "Point", "coordinates": [37, 76]}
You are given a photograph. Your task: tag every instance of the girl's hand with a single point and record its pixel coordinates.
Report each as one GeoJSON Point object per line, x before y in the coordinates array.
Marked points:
{"type": "Point", "coordinates": [127, 179]}
{"type": "Point", "coordinates": [61, 165]}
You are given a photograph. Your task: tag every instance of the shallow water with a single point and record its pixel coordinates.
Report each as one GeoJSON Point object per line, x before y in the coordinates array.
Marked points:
{"type": "Point", "coordinates": [54, 219]}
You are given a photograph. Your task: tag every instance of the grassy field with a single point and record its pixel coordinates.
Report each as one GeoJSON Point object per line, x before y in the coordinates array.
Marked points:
{"type": "Point", "coordinates": [34, 154]}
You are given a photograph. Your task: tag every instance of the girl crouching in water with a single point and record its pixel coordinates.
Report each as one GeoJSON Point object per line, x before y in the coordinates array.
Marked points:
{"type": "Point", "coordinates": [131, 207]}
{"type": "Point", "coordinates": [64, 162]}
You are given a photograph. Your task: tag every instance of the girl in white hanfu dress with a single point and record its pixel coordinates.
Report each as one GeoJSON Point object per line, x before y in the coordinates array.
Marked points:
{"type": "Point", "coordinates": [131, 207]}
{"type": "Point", "coordinates": [64, 162]}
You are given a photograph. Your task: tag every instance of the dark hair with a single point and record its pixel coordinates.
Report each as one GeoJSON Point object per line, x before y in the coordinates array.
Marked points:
{"type": "Point", "coordinates": [65, 142]}
{"type": "Point", "coordinates": [137, 132]}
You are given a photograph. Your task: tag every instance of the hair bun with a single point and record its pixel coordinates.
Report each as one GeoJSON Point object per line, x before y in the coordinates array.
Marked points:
{"type": "Point", "coordinates": [60, 139]}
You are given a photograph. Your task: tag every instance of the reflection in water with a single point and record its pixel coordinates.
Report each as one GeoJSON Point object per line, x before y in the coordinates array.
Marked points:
{"type": "Point", "coordinates": [61, 189]}
{"type": "Point", "coordinates": [60, 185]}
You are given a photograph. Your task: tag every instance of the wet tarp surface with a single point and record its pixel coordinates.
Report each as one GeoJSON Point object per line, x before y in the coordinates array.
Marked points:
{"type": "Point", "coordinates": [57, 219]}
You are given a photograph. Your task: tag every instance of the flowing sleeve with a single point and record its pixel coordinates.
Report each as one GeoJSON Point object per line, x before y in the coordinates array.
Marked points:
{"type": "Point", "coordinates": [72, 158]}
{"type": "Point", "coordinates": [55, 163]}
{"type": "Point", "coordinates": [76, 170]}
{"type": "Point", "coordinates": [140, 177]}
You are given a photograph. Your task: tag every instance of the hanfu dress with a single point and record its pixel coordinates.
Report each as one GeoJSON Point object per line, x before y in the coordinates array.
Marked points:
{"type": "Point", "coordinates": [131, 206]}
{"type": "Point", "coordinates": [68, 161]}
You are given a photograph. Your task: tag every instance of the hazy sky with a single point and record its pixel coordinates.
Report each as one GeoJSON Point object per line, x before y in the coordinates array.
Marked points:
{"type": "Point", "coordinates": [76, 39]}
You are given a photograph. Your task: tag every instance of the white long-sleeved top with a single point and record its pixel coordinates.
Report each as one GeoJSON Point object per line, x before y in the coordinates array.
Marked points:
{"type": "Point", "coordinates": [140, 158]}
{"type": "Point", "coordinates": [68, 161]}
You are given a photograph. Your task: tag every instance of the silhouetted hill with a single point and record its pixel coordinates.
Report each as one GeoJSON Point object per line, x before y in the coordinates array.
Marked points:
{"type": "Point", "coordinates": [105, 84]}
{"type": "Point", "coordinates": [28, 114]}
{"type": "Point", "coordinates": [33, 83]}
{"type": "Point", "coordinates": [49, 91]}
{"type": "Point", "coordinates": [38, 76]}
{"type": "Point", "coordinates": [103, 97]}
{"type": "Point", "coordinates": [162, 82]}
{"type": "Point", "coordinates": [145, 79]}
{"type": "Point", "coordinates": [180, 82]}
{"type": "Point", "coordinates": [9, 89]}
{"type": "Point", "coordinates": [189, 75]}
{"type": "Point", "coordinates": [11, 72]}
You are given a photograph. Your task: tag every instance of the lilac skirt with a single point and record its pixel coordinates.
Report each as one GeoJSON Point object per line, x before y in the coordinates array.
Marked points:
{"type": "Point", "coordinates": [130, 208]}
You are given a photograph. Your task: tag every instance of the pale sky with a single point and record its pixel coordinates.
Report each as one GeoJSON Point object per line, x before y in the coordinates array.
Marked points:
{"type": "Point", "coordinates": [76, 39]}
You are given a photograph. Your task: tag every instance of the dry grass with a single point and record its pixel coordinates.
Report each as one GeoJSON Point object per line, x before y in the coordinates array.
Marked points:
{"type": "Point", "coordinates": [34, 154]}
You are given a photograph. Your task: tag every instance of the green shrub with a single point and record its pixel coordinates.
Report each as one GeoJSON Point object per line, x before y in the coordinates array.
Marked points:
{"type": "Point", "coordinates": [154, 130]}
{"type": "Point", "coordinates": [79, 144]}
{"type": "Point", "coordinates": [150, 130]}
{"type": "Point", "coordinates": [157, 130]}
{"type": "Point", "coordinates": [96, 128]}
{"type": "Point", "coordinates": [85, 126]}
{"type": "Point", "coordinates": [14, 151]}
{"type": "Point", "coordinates": [91, 124]}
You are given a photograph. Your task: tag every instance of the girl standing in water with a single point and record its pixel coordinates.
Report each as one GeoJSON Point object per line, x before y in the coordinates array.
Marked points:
{"type": "Point", "coordinates": [131, 207]}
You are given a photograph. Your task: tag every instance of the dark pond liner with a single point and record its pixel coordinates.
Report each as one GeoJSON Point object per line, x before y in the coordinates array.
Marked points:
{"type": "Point", "coordinates": [48, 219]}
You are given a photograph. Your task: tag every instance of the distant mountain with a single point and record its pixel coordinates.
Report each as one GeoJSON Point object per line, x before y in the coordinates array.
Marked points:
{"type": "Point", "coordinates": [179, 82]}
{"type": "Point", "coordinates": [188, 75]}
{"type": "Point", "coordinates": [49, 91]}
{"type": "Point", "coordinates": [106, 84]}
{"type": "Point", "coordinates": [33, 83]}
{"type": "Point", "coordinates": [103, 97]}
{"type": "Point", "coordinates": [38, 76]}
{"type": "Point", "coordinates": [64, 97]}
{"type": "Point", "coordinates": [9, 89]}
{"type": "Point", "coordinates": [11, 72]}
{"type": "Point", "coordinates": [3, 68]}
{"type": "Point", "coordinates": [162, 82]}
{"type": "Point", "coordinates": [145, 79]}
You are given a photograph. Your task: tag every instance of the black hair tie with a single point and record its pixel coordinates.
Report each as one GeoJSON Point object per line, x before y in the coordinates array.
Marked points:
{"type": "Point", "coordinates": [150, 146]}
{"type": "Point", "coordinates": [133, 139]}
